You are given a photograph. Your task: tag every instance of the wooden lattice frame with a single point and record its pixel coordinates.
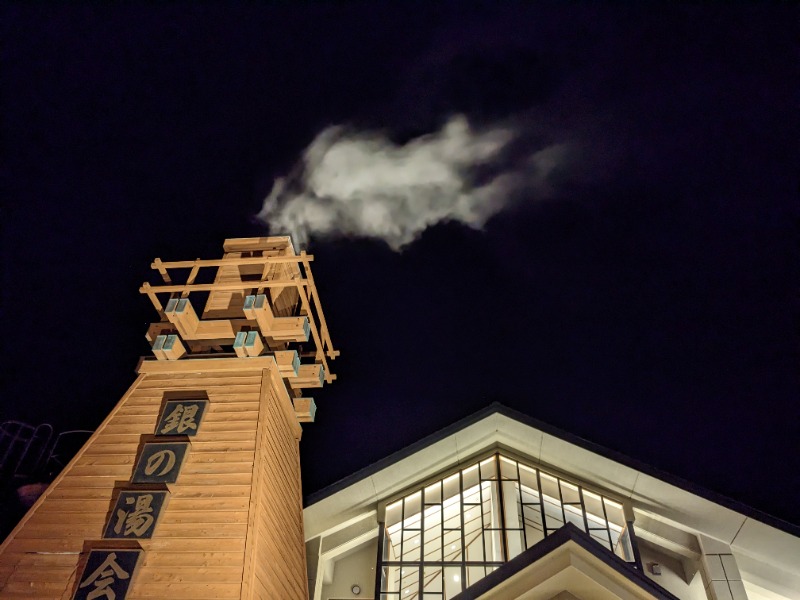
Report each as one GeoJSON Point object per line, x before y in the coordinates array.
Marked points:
{"type": "Point", "coordinates": [303, 283]}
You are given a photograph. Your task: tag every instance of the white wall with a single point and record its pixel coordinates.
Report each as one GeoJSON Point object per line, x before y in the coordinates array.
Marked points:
{"type": "Point", "coordinates": [358, 567]}
{"type": "Point", "coordinates": [673, 576]}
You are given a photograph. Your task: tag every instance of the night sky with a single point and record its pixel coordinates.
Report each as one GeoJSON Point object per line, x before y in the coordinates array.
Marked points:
{"type": "Point", "coordinates": [647, 303]}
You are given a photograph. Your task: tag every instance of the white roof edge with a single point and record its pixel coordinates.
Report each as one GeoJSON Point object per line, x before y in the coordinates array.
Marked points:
{"type": "Point", "coordinates": [660, 499]}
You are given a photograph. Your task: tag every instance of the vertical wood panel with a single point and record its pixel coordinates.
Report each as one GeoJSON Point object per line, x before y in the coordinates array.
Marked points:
{"type": "Point", "coordinates": [275, 562]}
{"type": "Point", "coordinates": [233, 526]}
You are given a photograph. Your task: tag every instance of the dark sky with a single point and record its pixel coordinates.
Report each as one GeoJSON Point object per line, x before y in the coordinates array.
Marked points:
{"type": "Point", "coordinates": [649, 305]}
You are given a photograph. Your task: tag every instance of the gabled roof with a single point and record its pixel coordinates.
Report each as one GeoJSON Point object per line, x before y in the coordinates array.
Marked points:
{"type": "Point", "coordinates": [667, 509]}
{"type": "Point", "coordinates": [497, 408]}
{"type": "Point", "coordinates": [563, 562]}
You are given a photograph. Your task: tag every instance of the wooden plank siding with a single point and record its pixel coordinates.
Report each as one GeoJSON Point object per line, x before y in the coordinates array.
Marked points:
{"type": "Point", "coordinates": [232, 527]}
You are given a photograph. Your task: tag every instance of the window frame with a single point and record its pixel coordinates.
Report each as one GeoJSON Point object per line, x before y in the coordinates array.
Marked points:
{"type": "Point", "coordinates": [495, 498]}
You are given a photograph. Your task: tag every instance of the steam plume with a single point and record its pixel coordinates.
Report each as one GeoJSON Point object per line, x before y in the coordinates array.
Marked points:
{"type": "Point", "coordinates": [361, 184]}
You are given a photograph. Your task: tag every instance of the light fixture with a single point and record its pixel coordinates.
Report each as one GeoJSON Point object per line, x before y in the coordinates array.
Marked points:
{"type": "Point", "coordinates": [455, 578]}
{"type": "Point", "coordinates": [356, 589]}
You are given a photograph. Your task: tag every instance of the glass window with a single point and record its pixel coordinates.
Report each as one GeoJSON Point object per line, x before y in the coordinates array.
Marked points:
{"type": "Point", "coordinates": [569, 493]}
{"type": "Point", "coordinates": [411, 511]}
{"type": "Point", "coordinates": [470, 477]}
{"type": "Point", "coordinates": [493, 540]}
{"type": "Point", "coordinates": [574, 515]}
{"type": "Point", "coordinates": [512, 505]}
{"type": "Point", "coordinates": [452, 546]}
{"type": "Point", "coordinates": [411, 549]}
{"type": "Point", "coordinates": [488, 469]}
{"type": "Point", "coordinates": [432, 579]}
{"type": "Point", "coordinates": [508, 468]}
{"type": "Point", "coordinates": [409, 581]}
{"type": "Point", "coordinates": [452, 581]}
{"type": "Point", "coordinates": [433, 533]}
{"type": "Point", "coordinates": [433, 493]}
{"type": "Point", "coordinates": [447, 536]}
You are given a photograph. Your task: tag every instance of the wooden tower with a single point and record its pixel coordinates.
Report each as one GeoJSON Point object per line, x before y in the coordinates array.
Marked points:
{"type": "Point", "coordinates": [190, 488]}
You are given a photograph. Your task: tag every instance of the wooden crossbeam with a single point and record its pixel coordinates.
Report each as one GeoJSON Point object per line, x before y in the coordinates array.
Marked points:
{"type": "Point", "coordinates": [314, 296]}
{"type": "Point", "coordinates": [160, 265]}
{"type": "Point", "coordinates": [254, 244]}
{"type": "Point", "coordinates": [210, 287]}
{"type": "Point", "coordinates": [314, 333]}
{"type": "Point", "coordinates": [192, 276]}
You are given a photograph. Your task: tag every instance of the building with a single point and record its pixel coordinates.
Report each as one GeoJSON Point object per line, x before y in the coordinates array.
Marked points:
{"type": "Point", "coordinates": [190, 489]}
{"type": "Point", "coordinates": [440, 519]}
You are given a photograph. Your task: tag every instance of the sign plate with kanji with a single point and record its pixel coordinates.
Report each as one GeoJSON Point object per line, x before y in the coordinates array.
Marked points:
{"type": "Point", "coordinates": [135, 514]}
{"type": "Point", "coordinates": [160, 462]}
{"type": "Point", "coordinates": [107, 574]}
{"type": "Point", "coordinates": [181, 417]}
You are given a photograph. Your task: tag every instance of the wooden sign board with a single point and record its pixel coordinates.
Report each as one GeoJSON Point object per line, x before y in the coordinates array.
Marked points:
{"type": "Point", "coordinates": [160, 462]}
{"type": "Point", "coordinates": [181, 417]}
{"type": "Point", "coordinates": [107, 574]}
{"type": "Point", "coordinates": [135, 514]}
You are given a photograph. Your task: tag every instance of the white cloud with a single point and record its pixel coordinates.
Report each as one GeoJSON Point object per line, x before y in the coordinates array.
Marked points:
{"type": "Point", "coordinates": [361, 184]}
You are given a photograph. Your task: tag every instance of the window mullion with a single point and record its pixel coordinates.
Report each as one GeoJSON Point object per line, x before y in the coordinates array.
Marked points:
{"type": "Point", "coordinates": [501, 502]}
{"type": "Point", "coordinates": [561, 501]}
{"type": "Point", "coordinates": [463, 525]}
{"type": "Point", "coordinates": [541, 503]}
{"type": "Point", "coordinates": [521, 508]}
{"type": "Point", "coordinates": [583, 510]}
{"type": "Point", "coordinates": [608, 527]}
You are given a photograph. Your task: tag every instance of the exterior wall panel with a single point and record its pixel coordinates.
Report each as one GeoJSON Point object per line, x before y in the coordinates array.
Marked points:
{"type": "Point", "coordinates": [232, 527]}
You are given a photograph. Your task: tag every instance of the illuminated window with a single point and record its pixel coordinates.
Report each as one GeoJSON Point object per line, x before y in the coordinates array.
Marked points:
{"type": "Point", "coordinates": [443, 538]}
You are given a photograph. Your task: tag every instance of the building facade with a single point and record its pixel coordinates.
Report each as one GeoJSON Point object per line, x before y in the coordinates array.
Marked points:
{"type": "Point", "coordinates": [502, 506]}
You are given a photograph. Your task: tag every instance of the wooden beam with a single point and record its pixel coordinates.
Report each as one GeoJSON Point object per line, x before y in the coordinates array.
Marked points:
{"type": "Point", "coordinates": [221, 329]}
{"type": "Point", "coordinates": [223, 262]}
{"type": "Point", "coordinates": [288, 362]}
{"type": "Point", "coordinates": [232, 286]}
{"type": "Point", "coordinates": [288, 329]}
{"type": "Point", "coordinates": [276, 242]}
{"type": "Point", "coordinates": [206, 365]}
{"type": "Point", "coordinates": [238, 344]}
{"type": "Point", "coordinates": [157, 264]}
{"type": "Point", "coordinates": [314, 295]}
{"type": "Point", "coordinates": [146, 289]}
{"type": "Point", "coordinates": [308, 376]}
{"type": "Point", "coordinates": [256, 307]}
{"type": "Point", "coordinates": [264, 274]}
{"type": "Point", "coordinates": [253, 345]}
{"type": "Point", "coordinates": [186, 315]}
{"type": "Point", "coordinates": [305, 408]}
{"type": "Point", "coordinates": [171, 313]}
{"type": "Point", "coordinates": [192, 276]}
{"type": "Point", "coordinates": [158, 328]}
{"type": "Point", "coordinates": [173, 348]}
{"type": "Point", "coordinates": [320, 353]}
{"type": "Point", "coordinates": [158, 347]}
